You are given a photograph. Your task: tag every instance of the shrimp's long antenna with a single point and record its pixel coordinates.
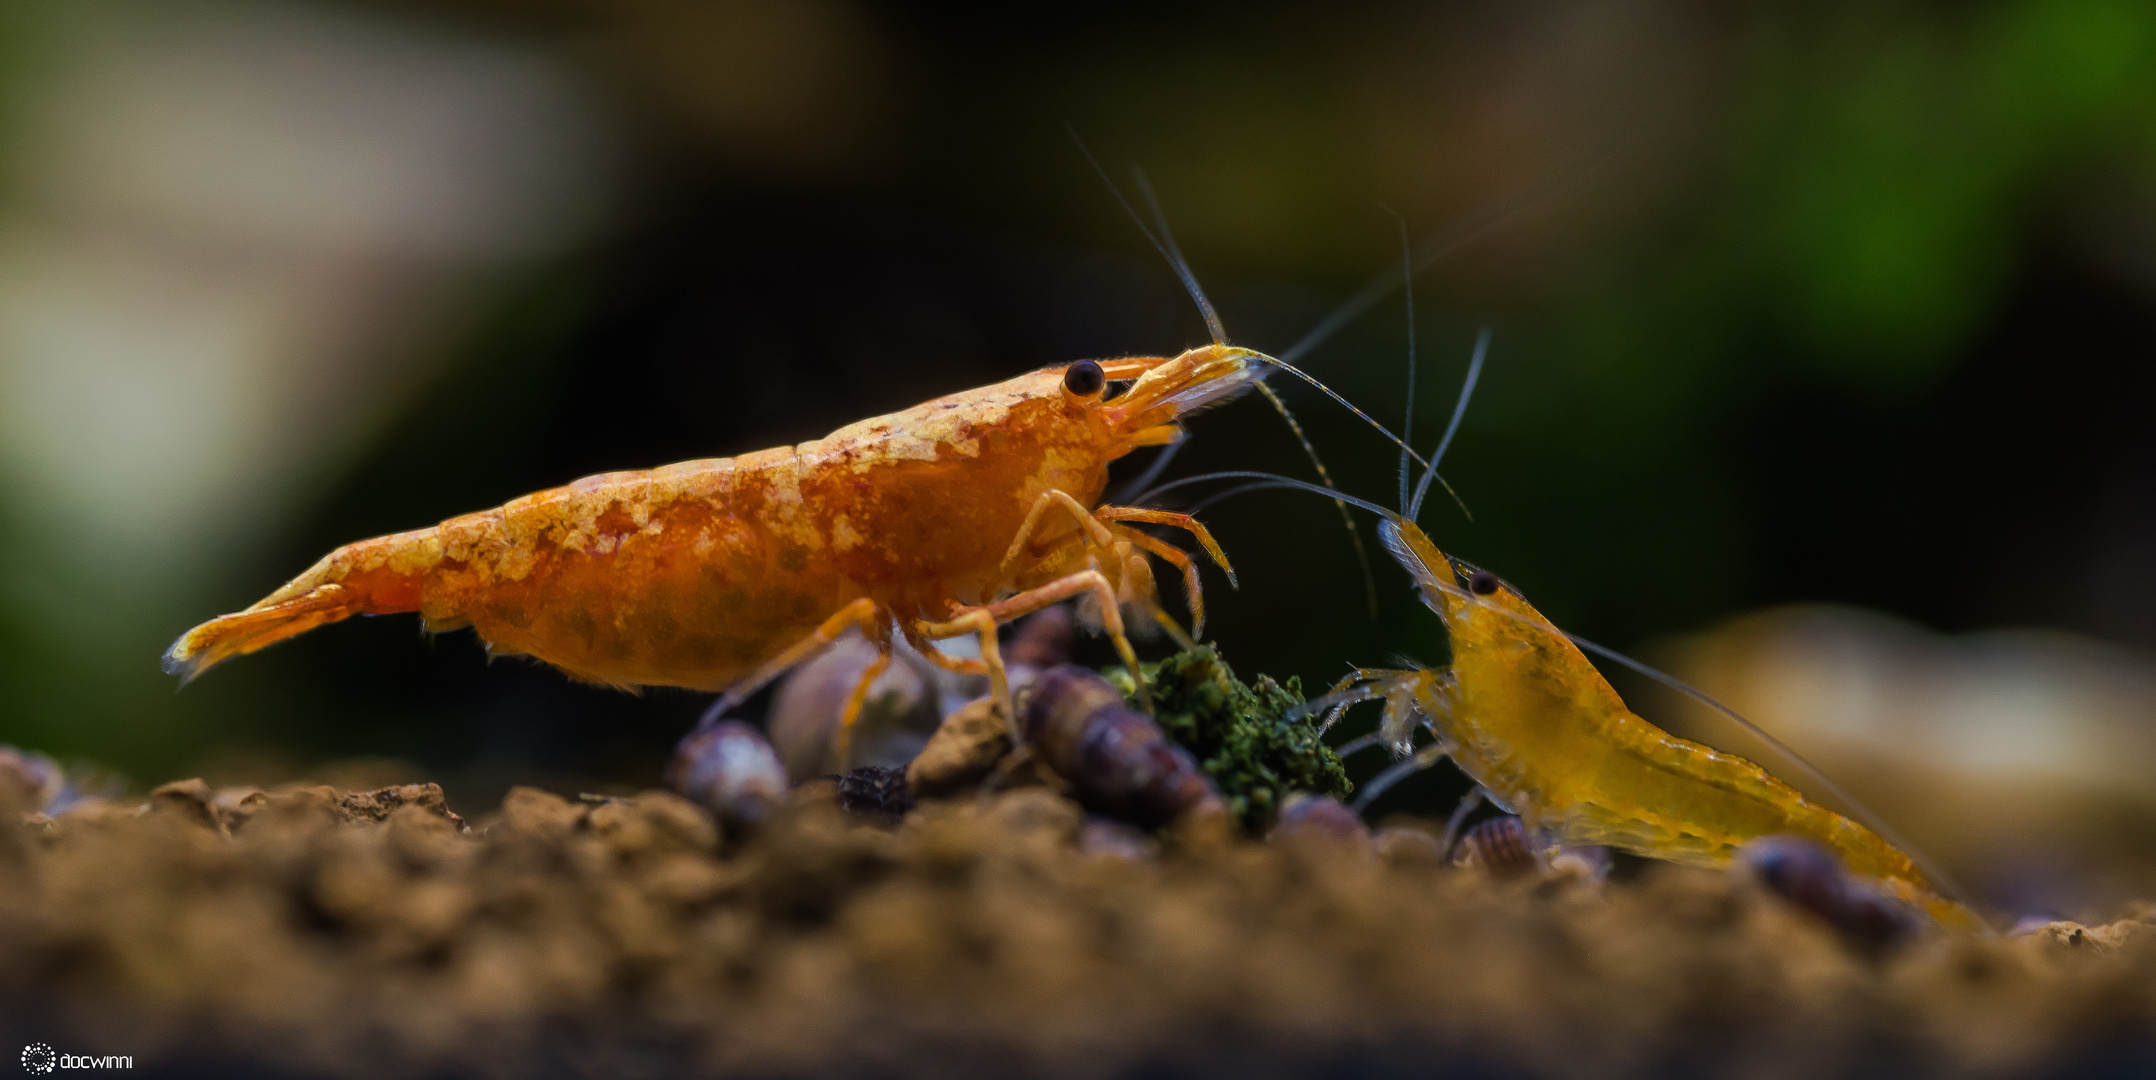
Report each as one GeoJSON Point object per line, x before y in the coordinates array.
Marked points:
{"type": "Point", "coordinates": [1342, 402]}
{"type": "Point", "coordinates": [1205, 307]}
{"type": "Point", "coordinates": [1446, 241]}
{"type": "Point", "coordinates": [1383, 782]}
{"type": "Point", "coordinates": [1220, 337]}
{"type": "Point", "coordinates": [1163, 241]}
{"type": "Point", "coordinates": [1272, 480]}
{"type": "Point", "coordinates": [1200, 506]}
{"type": "Point", "coordinates": [1459, 412]}
{"type": "Point", "coordinates": [1467, 391]}
{"type": "Point", "coordinates": [1407, 289]}
{"type": "Point", "coordinates": [1135, 490]}
{"type": "Point", "coordinates": [1175, 258]}
{"type": "Point", "coordinates": [1362, 556]}
{"type": "Point", "coordinates": [1357, 745]}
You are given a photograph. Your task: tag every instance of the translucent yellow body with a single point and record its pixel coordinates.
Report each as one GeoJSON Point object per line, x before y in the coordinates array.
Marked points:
{"type": "Point", "coordinates": [1531, 720]}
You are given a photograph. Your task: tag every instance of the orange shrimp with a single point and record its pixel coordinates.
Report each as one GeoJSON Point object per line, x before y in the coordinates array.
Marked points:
{"type": "Point", "coordinates": [937, 521]}
{"type": "Point", "coordinates": [946, 519]}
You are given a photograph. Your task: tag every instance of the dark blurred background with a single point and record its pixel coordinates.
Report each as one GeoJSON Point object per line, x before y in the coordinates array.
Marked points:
{"type": "Point", "coordinates": [1836, 303]}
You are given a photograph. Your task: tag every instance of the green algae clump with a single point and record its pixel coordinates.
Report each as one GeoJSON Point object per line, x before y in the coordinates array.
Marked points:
{"type": "Point", "coordinates": [1239, 733]}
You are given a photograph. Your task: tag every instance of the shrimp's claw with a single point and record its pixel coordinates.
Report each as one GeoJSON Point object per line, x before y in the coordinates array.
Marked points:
{"type": "Point", "coordinates": [243, 632]}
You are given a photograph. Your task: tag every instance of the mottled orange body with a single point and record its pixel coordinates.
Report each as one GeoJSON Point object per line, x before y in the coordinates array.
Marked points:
{"type": "Point", "coordinates": [717, 574]}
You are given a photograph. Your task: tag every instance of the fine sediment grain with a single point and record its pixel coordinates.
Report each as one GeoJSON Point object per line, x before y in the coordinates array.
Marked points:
{"type": "Point", "coordinates": [313, 932]}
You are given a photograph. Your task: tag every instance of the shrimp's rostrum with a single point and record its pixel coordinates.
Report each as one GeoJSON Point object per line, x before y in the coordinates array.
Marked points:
{"type": "Point", "coordinates": [1524, 714]}
{"type": "Point", "coordinates": [939, 520]}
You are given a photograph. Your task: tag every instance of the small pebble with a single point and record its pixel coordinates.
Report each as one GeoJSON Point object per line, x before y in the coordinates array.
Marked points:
{"type": "Point", "coordinates": [1810, 877]}
{"type": "Point", "coordinates": [37, 784]}
{"type": "Point", "coordinates": [1042, 641]}
{"type": "Point", "coordinates": [1304, 814]}
{"type": "Point", "coordinates": [730, 770]}
{"type": "Point", "coordinates": [1113, 839]}
{"type": "Point", "coordinates": [190, 800]}
{"type": "Point", "coordinates": [875, 791]}
{"type": "Point", "coordinates": [1800, 872]}
{"type": "Point", "coordinates": [1591, 862]}
{"type": "Point", "coordinates": [1118, 759]}
{"type": "Point", "coordinates": [28, 781]}
{"type": "Point", "coordinates": [379, 804]}
{"type": "Point", "coordinates": [962, 752]}
{"type": "Point", "coordinates": [1501, 847]}
{"type": "Point", "coordinates": [1404, 846]}
{"type": "Point", "coordinates": [2032, 923]}
{"type": "Point", "coordinates": [903, 708]}
{"type": "Point", "coordinates": [2073, 935]}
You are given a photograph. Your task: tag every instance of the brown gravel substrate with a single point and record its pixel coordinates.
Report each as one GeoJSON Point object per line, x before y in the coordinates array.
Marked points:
{"type": "Point", "coordinates": [311, 932]}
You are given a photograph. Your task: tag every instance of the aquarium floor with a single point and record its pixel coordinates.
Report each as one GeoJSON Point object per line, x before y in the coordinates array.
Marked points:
{"type": "Point", "coordinates": [318, 933]}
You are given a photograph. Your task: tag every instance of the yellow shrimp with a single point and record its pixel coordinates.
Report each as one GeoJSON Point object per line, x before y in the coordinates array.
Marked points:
{"type": "Point", "coordinates": [1524, 714]}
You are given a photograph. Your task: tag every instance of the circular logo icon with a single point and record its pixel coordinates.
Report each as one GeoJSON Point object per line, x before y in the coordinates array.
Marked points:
{"type": "Point", "coordinates": [39, 1058]}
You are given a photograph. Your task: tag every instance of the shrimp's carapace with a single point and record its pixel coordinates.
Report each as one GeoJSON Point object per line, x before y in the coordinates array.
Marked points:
{"type": "Point", "coordinates": [940, 520]}
{"type": "Point", "coordinates": [1525, 714]}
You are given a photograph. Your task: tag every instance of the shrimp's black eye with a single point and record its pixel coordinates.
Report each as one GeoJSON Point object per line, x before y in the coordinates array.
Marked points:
{"type": "Point", "coordinates": [1084, 378]}
{"type": "Point", "coordinates": [1483, 583]}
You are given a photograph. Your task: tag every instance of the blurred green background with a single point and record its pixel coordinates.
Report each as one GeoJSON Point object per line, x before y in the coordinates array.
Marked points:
{"type": "Point", "coordinates": [1854, 305]}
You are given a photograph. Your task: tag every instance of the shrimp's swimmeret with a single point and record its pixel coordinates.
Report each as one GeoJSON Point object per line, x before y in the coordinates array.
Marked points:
{"type": "Point", "coordinates": [937, 521]}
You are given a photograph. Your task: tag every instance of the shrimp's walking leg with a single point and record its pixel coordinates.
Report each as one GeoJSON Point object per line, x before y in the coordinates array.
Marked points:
{"type": "Point", "coordinates": [1411, 699]}
{"type": "Point", "coordinates": [1090, 522]}
{"type": "Point", "coordinates": [854, 701]}
{"type": "Point", "coordinates": [1468, 803]}
{"type": "Point", "coordinates": [983, 620]}
{"type": "Point", "coordinates": [1363, 684]}
{"type": "Point", "coordinates": [1379, 784]}
{"type": "Point", "coordinates": [1064, 588]}
{"type": "Point", "coordinates": [1182, 638]}
{"type": "Point", "coordinates": [861, 613]}
{"type": "Point", "coordinates": [1396, 726]}
{"type": "Point", "coordinates": [1177, 521]}
{"type": "Point", "coordinates": [960, 665]}
{"type": "Point", "coordinates": [1181, 560]}
{"type": "Point", "coordinates": [1098, 532]}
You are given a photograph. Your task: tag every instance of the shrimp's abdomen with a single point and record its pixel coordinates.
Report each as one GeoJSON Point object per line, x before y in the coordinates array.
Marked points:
{"type": "Point", "coordinates": [1541, 729]}
{"type": "Point", "coordinates": [698, 573]}
{"type": "Point", "coordinates": [1691, 803]}
{"type": "Point", "coordinates": [379, 576]}
{"type": "Point", "coordinates": [628, 578]}
{"type": "Point", "coordinates": [677, 576]}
